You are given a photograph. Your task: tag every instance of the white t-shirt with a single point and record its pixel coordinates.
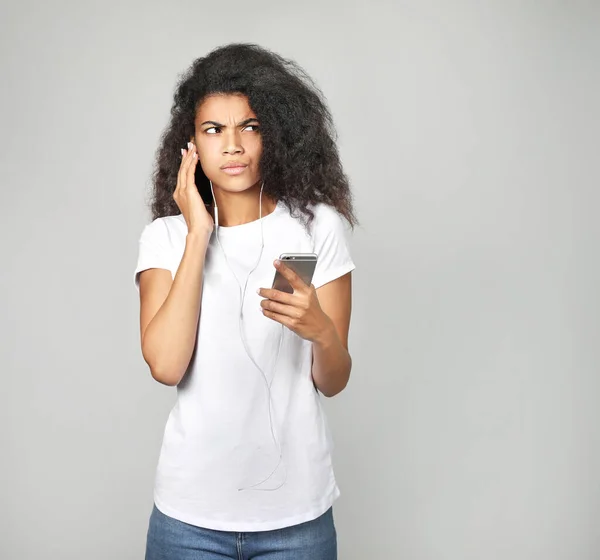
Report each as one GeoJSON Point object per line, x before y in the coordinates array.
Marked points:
{"type": "Point", "coordinates": [218, 435]}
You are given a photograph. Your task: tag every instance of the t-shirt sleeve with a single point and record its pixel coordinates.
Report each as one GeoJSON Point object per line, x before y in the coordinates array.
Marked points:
{"type": "Point", "coordinates": [331, 246]}
{"type": "Point", "coordinates": [155, 250]}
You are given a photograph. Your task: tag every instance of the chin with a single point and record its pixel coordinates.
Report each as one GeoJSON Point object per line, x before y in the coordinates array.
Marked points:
{"type": "Point", "coordinates": [235, 184]}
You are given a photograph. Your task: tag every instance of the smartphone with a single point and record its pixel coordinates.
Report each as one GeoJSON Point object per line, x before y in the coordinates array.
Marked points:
{"type": "Point", "coordinates": [303, 264]}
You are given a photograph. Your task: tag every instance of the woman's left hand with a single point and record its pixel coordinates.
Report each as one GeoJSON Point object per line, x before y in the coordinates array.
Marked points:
{"type": "Point", "coordinates": [300, 311]}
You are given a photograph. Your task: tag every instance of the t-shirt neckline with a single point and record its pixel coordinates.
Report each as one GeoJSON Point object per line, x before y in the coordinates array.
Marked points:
{"type": "Point", "coordinates": [226, 230]}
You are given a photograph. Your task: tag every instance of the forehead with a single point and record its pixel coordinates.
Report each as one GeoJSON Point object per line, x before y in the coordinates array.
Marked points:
{"type": "Point", "coordinates": [222, 107]}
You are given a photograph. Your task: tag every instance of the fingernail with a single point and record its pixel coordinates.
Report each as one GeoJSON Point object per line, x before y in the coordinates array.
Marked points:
{"type": "Point", "coordinates": [189, 145]}
{"type": "Point", "coordinates": [181, 151]}
{"type": "Point", "coordinates": [258, 291]}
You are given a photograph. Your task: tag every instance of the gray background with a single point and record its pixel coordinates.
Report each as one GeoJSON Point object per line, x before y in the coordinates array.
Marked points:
{"type": "Point", "coordinates": [470, 428]}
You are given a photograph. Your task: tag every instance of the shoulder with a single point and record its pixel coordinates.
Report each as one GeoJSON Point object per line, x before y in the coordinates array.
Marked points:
{"type": "Point", "coordinates": [167, 230]}
{"type": "Point", "coordinates": [331, 244]}
{"type": "Point", "coordinates": [325, 213]}
{"type": "Point", "coordinates": [327, 220]}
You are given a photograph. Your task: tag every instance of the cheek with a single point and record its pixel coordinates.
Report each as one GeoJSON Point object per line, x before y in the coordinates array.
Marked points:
{"type": "Point", "coordinates": [208, 156]}
{"type": "Point", "coordinates": [206, 169]}
{"type": "Point", "coordinates": [207, 163]}
{"type": "Point", "coordinates": [256, 149]}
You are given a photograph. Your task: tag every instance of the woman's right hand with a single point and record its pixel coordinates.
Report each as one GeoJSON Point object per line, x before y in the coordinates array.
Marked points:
{"type": "Point", "coordinates": [188, 198]}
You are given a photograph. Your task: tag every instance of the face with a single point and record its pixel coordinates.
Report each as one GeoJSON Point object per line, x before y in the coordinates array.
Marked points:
{"type": "Point", "coordinates": [227, 133]}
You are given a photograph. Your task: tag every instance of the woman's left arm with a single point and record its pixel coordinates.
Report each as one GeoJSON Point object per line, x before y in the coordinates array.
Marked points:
{"type": "Point", "coordinates": [320, 315]}
{"type": "Point", "coordinates": [331, 360]}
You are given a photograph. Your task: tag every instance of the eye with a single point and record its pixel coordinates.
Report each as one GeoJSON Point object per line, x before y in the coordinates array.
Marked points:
{"type": "Point", "coordinates": [254, 126]}
{"type": "Point", "coordinates": [212, 128]}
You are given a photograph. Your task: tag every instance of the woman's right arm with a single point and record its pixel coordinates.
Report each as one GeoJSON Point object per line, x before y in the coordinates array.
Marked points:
{"type": "Point", "coordinates": [170, 308]}
{"type": "Point", "coordinates": [170, 311]}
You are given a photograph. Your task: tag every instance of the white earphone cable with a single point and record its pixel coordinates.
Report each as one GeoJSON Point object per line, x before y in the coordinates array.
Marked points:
{"type": "Point", "coordinates": [243, 338]}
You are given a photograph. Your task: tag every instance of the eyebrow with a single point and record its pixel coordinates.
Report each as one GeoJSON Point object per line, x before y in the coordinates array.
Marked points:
{"type": "Point", "coordinates": [243, 123]}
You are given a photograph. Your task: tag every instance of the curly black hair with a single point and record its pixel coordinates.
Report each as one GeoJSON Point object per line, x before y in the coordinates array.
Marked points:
{"type": "Point", "coordinates": [299, 164]}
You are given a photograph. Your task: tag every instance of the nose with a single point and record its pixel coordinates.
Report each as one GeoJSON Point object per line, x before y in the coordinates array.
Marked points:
{"type": "Point", "coordinates": [232, 142]}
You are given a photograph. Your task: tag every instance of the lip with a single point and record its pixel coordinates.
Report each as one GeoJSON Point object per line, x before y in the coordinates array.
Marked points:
{"type": "Point", "coordinates": [234, 167]}
{"type": "Point", "coordinates": [234, 164]}
{"type": "Point", "coordinates": [234, 170]}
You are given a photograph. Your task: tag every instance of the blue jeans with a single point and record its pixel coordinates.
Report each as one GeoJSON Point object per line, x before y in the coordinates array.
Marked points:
{"type": "Point", "coordinates": [171, 539]}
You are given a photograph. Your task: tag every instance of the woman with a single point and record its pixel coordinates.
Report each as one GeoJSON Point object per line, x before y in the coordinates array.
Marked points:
{"type": "Point", "coordinates": [247, 170]}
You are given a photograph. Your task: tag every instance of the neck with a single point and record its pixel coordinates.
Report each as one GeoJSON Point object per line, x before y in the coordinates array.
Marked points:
{"type": "Point", "coordinates": [240, 208]}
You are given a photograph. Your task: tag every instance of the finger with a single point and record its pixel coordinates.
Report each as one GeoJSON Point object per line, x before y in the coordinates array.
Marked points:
{"type": "Point", "coordinates": [283, 319]}
{"type": "Point", "coordinates": [281, 308]}
{"type": "Point", "coordinates": [191, 170]}
{"type": "Point", "coordinates": [295, 281]}
{"type": "Point", "coordinates": [276, 295]}
{"type": "Point", "coordinates": [187, 164]}
{"type": "Point", "coordinates": [182, 167]}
